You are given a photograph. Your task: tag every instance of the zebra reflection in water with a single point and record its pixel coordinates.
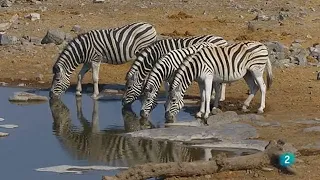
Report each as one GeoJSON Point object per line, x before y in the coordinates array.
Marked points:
{"type": "Point", "coordinates": [111, 146]}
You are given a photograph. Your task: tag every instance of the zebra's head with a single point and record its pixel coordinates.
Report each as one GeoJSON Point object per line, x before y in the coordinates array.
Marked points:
{"type": "Point", "coordinates": [60, 82]}
{"type": "Point", "coordinates": [133, 89]}
{"type": "Point", "coordinates": [174, 103]}
{"type": "Point", "coordinates": [148, 101]}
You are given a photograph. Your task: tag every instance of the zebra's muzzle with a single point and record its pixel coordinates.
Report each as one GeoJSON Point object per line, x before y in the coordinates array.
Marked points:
{"type": "Point", "coordinates": [143, 114]}
{"type": "Point", "coordinates": [52, 95]}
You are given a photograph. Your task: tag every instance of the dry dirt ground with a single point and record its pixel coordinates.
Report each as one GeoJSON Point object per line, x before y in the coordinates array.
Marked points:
{"type": "Point", "coordinates": [293, 95]}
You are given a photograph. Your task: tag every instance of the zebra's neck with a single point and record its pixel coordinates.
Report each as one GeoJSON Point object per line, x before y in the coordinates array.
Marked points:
{"type": "Point", "coordinates": [76, 52]}
{"type": "Point", "coordinates": [184, 76]}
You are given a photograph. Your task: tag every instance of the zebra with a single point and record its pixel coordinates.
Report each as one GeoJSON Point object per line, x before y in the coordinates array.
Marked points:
{"type": "Point", "coordinates": [112, 46]}
{"type": "Point", "coordinates": [163, 71]}
{"type": "Point", "coordinates": [220, 64]}
{"type": "Point", "coordinates": [146, 58]}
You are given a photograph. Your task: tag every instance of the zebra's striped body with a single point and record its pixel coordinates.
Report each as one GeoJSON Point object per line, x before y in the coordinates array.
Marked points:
{"type": "Point", "coordinates": [162, 71]}
{"type": "Point", "coordinates": [149, 56]}
{"type": "Point", "coordinates": [220, 64]}
{"type": "Point", "coordinates": [112, 46]}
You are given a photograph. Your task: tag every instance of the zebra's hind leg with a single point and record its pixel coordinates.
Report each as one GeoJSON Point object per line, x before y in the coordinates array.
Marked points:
{"type": "Point", "coordinates": [253, 88]}
{"type": "Point", "coordinates": [85, 68]}
{"type": "Point", "coordinates": [218, 89]}
{"type": "Point", "coordinates": [223, 91]}
{"type": "Point", "coordinates": [95, 78]}
{"type": "Point", "coordinates": [202, 103]}
{"type": "Point", "coordinates": [263, 88]}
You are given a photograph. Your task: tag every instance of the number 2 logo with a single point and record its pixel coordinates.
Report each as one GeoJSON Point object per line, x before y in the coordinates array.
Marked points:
{"type": "Point", "coordinates": [287, 158]}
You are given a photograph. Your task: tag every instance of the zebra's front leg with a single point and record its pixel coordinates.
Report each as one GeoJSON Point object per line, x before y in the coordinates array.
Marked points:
{"type": "Point", "coordinates": [202, 103]}
{"type": "Point", "coordinates": [85, 68]}
{"type": "Point", "coordinates": [95, 78]}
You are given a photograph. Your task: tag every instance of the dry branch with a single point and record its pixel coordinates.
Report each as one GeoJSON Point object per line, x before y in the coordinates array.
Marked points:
{"type": "Point", "coordinates": [220, 163]}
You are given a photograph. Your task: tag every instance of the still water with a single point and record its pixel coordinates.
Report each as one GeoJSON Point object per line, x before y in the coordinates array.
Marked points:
{"type": "Point", "coordinates": [79, 132]}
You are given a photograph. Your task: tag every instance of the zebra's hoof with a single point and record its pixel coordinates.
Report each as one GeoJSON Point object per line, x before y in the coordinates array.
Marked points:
{"type": "Point", "coordinates": [260, 111]}
{"type": "Point", "coordinates": [215, 111]}
{"type": "Point", "coordinates": [245, 110]}
{"type": "Point", "coordinates": [94, 96]}
{"type": "Point", "coordinates": [199, 115]}
{"type": "Point", "coordinates": [206, 116]}
{"type": "Point", "coordinates": [78, 93]}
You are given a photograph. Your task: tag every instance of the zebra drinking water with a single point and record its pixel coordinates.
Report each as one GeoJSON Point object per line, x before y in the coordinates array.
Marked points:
{"type": "Point", "coordinates": [163, 71]}
{"type": "Point", "coordinates": [149, 56]}
{"type": "Point", "coordinates": [220, 64]}
{"type": "Point", "coordinates": [112, 46]}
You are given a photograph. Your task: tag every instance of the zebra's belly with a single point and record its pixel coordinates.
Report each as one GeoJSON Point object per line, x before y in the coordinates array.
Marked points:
{"type": "Point", "coordinates": [227, 78]}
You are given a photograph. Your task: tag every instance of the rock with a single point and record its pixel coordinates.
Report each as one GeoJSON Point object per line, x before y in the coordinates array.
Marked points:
{"type": "Point", "coordinates": [298, 55]}
{"type": "Point", "coordinates": [242, 144]}
{"type": "Point", "coordinates": [7, 3]}
{"type": "Point", "coordinates": [277, 52]}
{"type": "Point", "coordinates": [312, 129]}
{"type": "Point", "coordinates": [8, 126]}
{"type": "Point", "coordinates": [98, 1]}
{"type": "Point", "coordinates": [315, 51]}
{"type": "Point", "coordinates": [223, 118]}
{"type": "Point", "coordinates": [4, 26]}
{"type": "Point", "coordinates": [54, 36]}
{"type": "Point", "coordinates": [39, 77]}
{"type": "Point", "coordinates": [3, 84]}
{"type": "Point", "coordinates": [24, 96]}
{"type": "Point", "coordinates": [224, 132]}
{"type": "Point", "coordinates": [21, 84]}
{"type": "Point", "coordinates": [3, 134]}
{"type": "Point", "coordinates": [8, 40]}
{"type": "Point", "coordinates": [76, 29]}
{"type": "Point", "coordinates": [33, 16]}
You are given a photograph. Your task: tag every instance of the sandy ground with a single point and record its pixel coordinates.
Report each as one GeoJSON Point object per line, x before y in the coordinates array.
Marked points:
{"type": "Point", "coordinates": [293, 95]}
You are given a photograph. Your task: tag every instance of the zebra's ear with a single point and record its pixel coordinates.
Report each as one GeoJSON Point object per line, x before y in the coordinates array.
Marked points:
{"type": "Point", "coordinates": [56, 69]}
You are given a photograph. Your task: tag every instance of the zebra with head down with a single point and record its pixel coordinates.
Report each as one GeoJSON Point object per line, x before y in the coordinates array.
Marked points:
{"type": "Point", "coordinates": [112, 46]}
{"type": "Point", "coordinates": [220, 64]}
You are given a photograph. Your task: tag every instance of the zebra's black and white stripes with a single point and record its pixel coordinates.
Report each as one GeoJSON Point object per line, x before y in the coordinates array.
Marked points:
{"type": "Point", "coordinates": [112, 46]}
{"type": "Point", "coordinates": [220, 64]}
{"type": "Point", "coordinates": [146, 58]}
{"type": "Point", "coordinates": [162, 71]}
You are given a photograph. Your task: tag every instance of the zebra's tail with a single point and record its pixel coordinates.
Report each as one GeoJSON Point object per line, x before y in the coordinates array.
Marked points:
{"type": "Point", "coordinates": [269, 74]}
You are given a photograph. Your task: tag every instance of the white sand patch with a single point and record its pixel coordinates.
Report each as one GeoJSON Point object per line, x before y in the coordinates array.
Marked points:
{"type": "Point", "coordinates": [3, 134]}
{"type": "Point", "coordinates": [8, 126]}
{"type": "Point", "coordinates": [77, 169]}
